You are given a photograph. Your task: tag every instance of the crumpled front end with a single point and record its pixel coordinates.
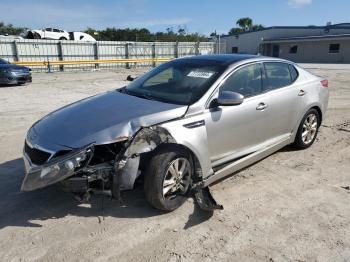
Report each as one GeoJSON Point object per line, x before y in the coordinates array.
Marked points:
{"type": "Point", "coordinates": [116, 164]}
{"type": "Point", "coordinates": [112, 167]}
{"type": "Point", "coordinates": [54, 170]}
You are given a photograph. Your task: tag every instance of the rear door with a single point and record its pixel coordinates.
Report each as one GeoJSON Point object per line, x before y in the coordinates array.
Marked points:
{"type": "Point", "coordinates": [284, 99]}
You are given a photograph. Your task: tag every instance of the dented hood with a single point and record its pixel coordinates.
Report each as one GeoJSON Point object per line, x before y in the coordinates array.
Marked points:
{"type": "Point", "coordinates": [102, 119]}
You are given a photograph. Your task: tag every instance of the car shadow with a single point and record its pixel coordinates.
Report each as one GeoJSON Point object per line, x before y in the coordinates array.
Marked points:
{"type": "Point", "coordinates": [11, 85]}
{"type": "Point", "coordinates": [24, 209]}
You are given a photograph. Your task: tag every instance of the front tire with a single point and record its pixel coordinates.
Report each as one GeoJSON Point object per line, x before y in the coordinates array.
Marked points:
{"type": "Point", "coordinates": [168, 178]}
{"type": "Point", "coordinates": [308, 129]}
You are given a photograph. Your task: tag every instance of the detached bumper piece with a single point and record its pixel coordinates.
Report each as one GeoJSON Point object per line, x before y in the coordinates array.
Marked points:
{"type": "Point", "coordinates": [56, 170]}
{"type": "Point", "coordinates": [205, 200]}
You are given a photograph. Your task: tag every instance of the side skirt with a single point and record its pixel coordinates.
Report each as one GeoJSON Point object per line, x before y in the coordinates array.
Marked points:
{"type": "Point", "coordinates": [244, 162]}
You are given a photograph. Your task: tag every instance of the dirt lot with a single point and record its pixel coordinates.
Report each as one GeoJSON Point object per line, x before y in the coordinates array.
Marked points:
{"type": "Point", "coordinates": [289, 207]}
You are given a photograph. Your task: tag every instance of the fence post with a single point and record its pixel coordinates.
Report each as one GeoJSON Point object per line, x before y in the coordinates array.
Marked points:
{"type": "Point", "coordinates": [127, 55]}
{"type": "Point", "coordinates": [48, 65]}
{"type": "Point", "coordinates": [96, 54]}
{"type": "Point", "coordinates": [176, 49]}
{"type": "Point", "coordinates": [196, 48]}
{"type": "Point", "coordinates": [60, 54]}
{"type": "Point", "coordinates": [15, 47]}
{"type": "Point", "coordinates": [153, 55]}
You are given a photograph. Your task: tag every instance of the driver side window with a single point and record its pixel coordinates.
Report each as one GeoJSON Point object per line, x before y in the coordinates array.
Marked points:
{"type": "Point", "coordinates": [246, 81]}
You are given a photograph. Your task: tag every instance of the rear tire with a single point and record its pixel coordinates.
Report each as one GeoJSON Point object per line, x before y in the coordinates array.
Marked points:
{"type": "Point", "coordinates": [164, 187]}
{"type": "Point", "coordinates": [63, 38]}
{"type": "Point", "coordinates": [308, 129]}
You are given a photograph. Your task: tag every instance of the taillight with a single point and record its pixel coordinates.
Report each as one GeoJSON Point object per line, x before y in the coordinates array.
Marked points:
{"type": "Point", "coordinates": [324, 83]}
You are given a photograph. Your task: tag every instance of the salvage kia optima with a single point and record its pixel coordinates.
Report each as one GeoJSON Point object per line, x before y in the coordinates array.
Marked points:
{"type": "Point", "coordinates": [181, 126]}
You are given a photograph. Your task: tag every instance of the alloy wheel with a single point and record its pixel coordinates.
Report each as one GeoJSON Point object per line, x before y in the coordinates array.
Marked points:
{"type": "Point", "coordinates": [177, 178]}
{"type": "Point", "coordinates": [309, 129]}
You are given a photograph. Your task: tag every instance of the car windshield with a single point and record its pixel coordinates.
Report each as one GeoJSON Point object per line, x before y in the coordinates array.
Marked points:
{"type": "Point", "coordinates": [2, 61]}
{"type": "Point", "coordinates": [178, 82]}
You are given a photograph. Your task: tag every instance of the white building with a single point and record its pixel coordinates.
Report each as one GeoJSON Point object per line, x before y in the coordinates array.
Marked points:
{"type": "Point", "coordinates": [319, 44]}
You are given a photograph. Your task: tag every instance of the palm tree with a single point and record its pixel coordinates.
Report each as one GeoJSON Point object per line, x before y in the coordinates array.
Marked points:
{"type": "Point", "coordinates": [245, 23]}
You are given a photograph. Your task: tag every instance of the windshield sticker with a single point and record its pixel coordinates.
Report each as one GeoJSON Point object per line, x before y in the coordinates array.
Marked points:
{"type": "Point", "coordinates": [201, 74]}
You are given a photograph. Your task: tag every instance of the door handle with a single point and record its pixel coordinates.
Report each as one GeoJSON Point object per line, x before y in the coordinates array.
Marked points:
{"type": "Point", "coordinates": [301, 93]}
{"type": "Point", "coordinates": [261, 106]}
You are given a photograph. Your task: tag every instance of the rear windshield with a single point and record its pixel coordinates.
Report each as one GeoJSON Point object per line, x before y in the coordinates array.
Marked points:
{"type": "Point", "coordinates": [178, 82]}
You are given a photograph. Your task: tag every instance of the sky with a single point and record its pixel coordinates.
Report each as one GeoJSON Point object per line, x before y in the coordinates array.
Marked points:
{"type": "Point", "coordinates": [203, 16]}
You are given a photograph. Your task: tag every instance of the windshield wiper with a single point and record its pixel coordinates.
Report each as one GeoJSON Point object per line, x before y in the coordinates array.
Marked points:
{"type": "Point", "coordinates": [140, 95]}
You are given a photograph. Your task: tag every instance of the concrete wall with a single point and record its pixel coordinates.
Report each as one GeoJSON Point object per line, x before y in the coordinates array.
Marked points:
{"type": "Point", "coordinates": [316, 51]}
{"type": "Point", "coordinates": [248, 43]}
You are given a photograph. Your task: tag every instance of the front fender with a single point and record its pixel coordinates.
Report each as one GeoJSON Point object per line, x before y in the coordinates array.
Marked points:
{"type": "Point", "coordinates": [192, 133]}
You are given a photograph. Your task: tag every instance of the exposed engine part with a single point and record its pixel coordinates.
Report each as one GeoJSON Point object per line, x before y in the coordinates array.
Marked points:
{"type": "Point", "coordinates": [105, 153]}
{"type": "Point", "coordinates": [126, 166]}
{"type": "Point", "coordinates": [83, 197]}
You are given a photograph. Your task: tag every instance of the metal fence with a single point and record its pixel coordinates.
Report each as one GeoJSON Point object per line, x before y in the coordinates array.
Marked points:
{"type": "Point", "coordinates": [47, 51]}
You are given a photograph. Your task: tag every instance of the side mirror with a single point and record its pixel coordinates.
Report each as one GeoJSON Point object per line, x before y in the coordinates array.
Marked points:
{"type": "Point", "coordinates": [228, 98]}
{"type": "Point", "coordinates": [130, 78]}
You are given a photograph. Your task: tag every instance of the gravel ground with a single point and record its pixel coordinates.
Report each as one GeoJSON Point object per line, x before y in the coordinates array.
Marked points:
{"type": "Point", "coordinates": [292, 206]}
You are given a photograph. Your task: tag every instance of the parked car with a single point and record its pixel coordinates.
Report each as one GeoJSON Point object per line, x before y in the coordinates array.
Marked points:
{"type": "Point", "coordinates": [80, 36]}
{"type": "Point", "coordinates": [14, 74]}
{"type": "Point", "coordinates": [59, 34]}
{"type": "Point", "coordinates": [182, 126]}
{"type": "Point", "coordinates": [48, 33]}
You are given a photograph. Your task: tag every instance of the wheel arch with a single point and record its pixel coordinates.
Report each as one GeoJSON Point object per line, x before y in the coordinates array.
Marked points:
{"type": "Point", "coordinates": [315, 106]}
{"type": "Point", "coordinates": [319, 111]}
{"type": "Point", "coordinates": [198, 171]}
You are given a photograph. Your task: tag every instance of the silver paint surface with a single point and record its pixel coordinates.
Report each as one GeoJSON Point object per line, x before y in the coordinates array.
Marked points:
{"type": "Point", "coordinates": [228, 132]}
{"type": "Point", "coordinates": [103, 119]}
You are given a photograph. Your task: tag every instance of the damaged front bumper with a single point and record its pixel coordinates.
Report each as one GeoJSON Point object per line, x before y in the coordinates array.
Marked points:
{"type": "Point", "coordinates": [77, 171]}
{"type": "Point", "coordinates": [56, 169]}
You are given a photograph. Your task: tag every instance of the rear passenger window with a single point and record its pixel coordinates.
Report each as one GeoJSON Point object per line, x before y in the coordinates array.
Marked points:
{"type": "Point", "coordinates": [293, 73]}
{"type": "Point", "coordinates": [277, 74]}
{"type": "Point", "coordinates": [246, 81]}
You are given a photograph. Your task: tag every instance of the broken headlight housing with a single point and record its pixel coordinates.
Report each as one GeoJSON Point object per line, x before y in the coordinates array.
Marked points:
{"type": "Point", "coordinates": [57, 169]}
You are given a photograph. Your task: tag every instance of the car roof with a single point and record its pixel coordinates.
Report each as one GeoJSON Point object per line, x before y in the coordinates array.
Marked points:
{"type": "Point", "coordinates": [227, 59]}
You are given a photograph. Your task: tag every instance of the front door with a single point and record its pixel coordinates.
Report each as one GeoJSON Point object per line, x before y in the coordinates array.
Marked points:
{"type": "Point", "coordinates": [48, 33]}
{"type": "Point", "coordinates": [235, 131]}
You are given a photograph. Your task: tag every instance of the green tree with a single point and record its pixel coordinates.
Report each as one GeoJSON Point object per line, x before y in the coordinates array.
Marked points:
{"type": "Point", "coordinates": [235, 30]}
{"type": "Point", "coordinates": [10, 29]}
{"type": "Point", "coordinates": [143, 34]}
{"type": "Point", "coordinates": [245, 23]}
{"type": "Point", "coordinates": [257, 27]}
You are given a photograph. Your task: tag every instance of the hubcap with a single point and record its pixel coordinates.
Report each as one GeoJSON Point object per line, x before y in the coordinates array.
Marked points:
{"type": "Point", "coordinates": [309, 129]}
{"type": "Point", "coordinates": [177, 178]}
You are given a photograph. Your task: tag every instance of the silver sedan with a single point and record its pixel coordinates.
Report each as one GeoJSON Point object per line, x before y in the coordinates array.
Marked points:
{"type": "Point", "coordinates": [181, 127]}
